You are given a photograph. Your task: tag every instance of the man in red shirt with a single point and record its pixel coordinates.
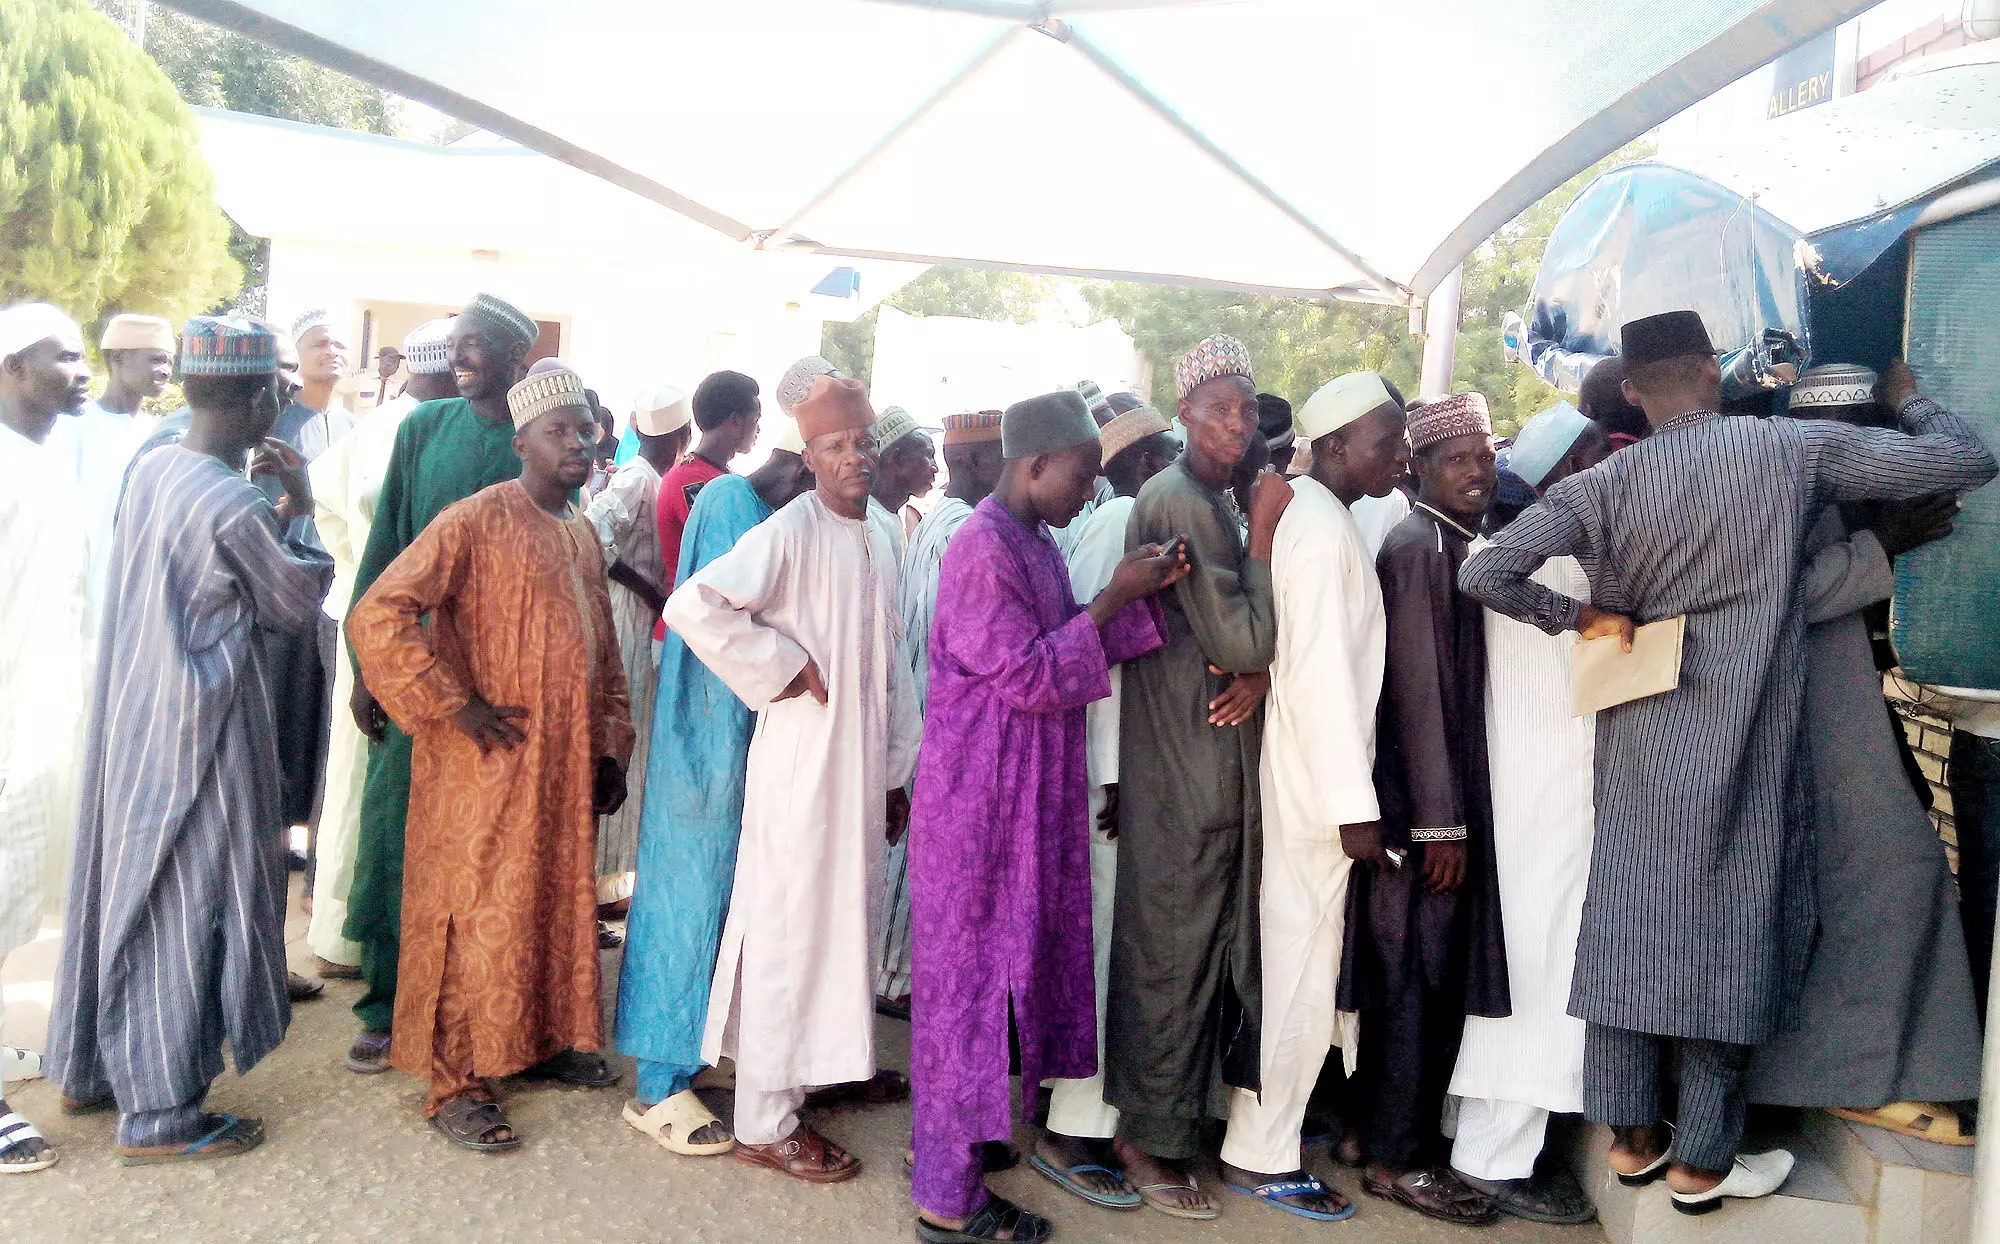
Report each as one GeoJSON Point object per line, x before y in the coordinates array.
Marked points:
{"type": "Point", "coordinates": [726, 410]}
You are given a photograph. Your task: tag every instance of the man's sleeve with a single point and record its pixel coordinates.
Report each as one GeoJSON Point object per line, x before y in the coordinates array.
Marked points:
{"type": "Point", "coordinates": [613, 512]}
{"type": "Point", "coordinates": [986, 625]}
{"type": "Point", "coordinates": [1323, 696]}
{"type": "Point", "coordinates": [391, 531]}
{"type": "Point", "coordinates": [1413, 722]}
{"type": "Point", "coordinates": [1226, 596]}
{"type": "Point", "coordinates": [611, 725]}
{"type": "Point", "coordinates": [387, 632]}
{"type": "Point", "coordinates": [285, 581]}
{"type": "Point", "coordinates": [714, 610]}
{"type": "Point", "coordinates": [1935, 452]}
{"type": "Point", "coordinates": [1846, 575]}
{"type": "Point", "coordinates": [1497, 575]}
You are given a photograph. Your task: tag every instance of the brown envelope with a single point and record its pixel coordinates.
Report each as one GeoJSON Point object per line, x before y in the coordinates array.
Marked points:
{"type": "Point", "coordinates": [1602, 673]}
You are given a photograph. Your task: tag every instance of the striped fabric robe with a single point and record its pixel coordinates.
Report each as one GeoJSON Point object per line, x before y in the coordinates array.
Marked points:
{"type": "Point", "coordinates": [175, 932]}
{"type": "Point", "coordinates": [1703, 852]}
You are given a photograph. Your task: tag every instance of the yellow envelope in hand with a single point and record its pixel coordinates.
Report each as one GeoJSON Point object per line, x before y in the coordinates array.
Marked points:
{"type": "Point", "coordinates": [1602, 673]}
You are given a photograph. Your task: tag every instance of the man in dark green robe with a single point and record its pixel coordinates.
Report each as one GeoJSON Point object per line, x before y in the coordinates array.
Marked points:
{"type": "Point", "coordinates": [1183, 996]}
{"type": "Point", "coordinates": [445, 451]}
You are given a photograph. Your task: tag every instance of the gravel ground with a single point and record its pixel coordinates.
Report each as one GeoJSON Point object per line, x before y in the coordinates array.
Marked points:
{"type": "Point", "coordinates": [350, 1158]}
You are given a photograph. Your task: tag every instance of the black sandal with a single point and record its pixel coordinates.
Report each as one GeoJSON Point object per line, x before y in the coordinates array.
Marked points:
{"type": "Point", "coordinates": [589, 1071]}
{"type": "Point", "coordinates": [986, 1225]}
{"type": "Point", "coordinates": [467, 1122]}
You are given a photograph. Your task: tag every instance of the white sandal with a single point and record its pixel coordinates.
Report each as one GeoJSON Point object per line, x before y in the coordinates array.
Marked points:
{"type": "Point", "coordinates": [15, 1130]}
{"type": "Point", "coordinates": [673, 1120]}
{"type": "Point", "coordinates": [18, 1064]}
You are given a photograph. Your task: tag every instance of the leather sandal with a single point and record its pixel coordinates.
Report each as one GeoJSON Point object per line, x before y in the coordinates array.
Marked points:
{"type": "Point", "coordinates": [1438, 1194]}
{"type": "Point", "coordinates": [805, 1154]}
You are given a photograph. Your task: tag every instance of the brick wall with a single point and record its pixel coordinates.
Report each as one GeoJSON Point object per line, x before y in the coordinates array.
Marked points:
{"type": "Point", "coordinates": [1930, 738]}
{"type": "Point", "coordinates": [1940, 34]}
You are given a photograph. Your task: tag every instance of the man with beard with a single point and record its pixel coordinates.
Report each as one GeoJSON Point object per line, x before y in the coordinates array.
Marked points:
{"type": "Point", "coordinates": [517, 702]}
{"type": "Point", "coordinates": [1423, 947]}
{"type": "Point", "coordinates": [799, 620]}
{"type": "Point", "coordinates": [174, 937]}
{"type": "Point", "coordinates": [445, 451]}
{"type": "Point", "coordinates": [1183, 1001]}
{"type": "Point", "coordinates": [43, 623]}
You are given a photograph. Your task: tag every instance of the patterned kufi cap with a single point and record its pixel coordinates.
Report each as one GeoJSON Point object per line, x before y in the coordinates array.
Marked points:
{"type": "Point", "coordinates": [971, 427]}
{"type": "Point", "coordinates": [427, 349]}
{"type": "Point", "coordinates": [1461, 414]}
{"type": "Point", "coordinates": [513, 324]}
{"type": "Point", "coordinates": [1219, 355]}
{"type": "Point", "coordinates": [137, 332]}
{"type": "Point", "coordinates": [1826, 388]}
{"type": "Point", "coordinates": [1128, 429]}
{"type": "Point", "coordinates": [28, 323]}
{"type": "Point", "coordinates": [895, 424]}
{"type": "Point", "coordinates": [306, 321]}
{"type": "Point", "coordinates": [1093, 397]}
{"type": "Point", "coordinates": [798, 381]}
{"type": "Point", "coordinates": [543, 392]}
{"type": "Point", "coordinates": [227, 345]}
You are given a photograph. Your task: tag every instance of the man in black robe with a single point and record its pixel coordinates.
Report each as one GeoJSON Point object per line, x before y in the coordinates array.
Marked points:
{"type": "Point", "coordinates": [1424, 947]}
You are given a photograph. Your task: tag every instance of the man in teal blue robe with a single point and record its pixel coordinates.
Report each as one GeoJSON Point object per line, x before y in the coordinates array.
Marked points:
{"type": "Point", "coordinates": [692, 819]}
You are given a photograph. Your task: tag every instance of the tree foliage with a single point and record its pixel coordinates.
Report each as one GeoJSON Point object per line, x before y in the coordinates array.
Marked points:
{"type": "Point", "coordinates": [1297, 344]}
{"type": "Point", "coordinates": [105, 201]}
{"type": "Point", "coordinates": [217, 68]}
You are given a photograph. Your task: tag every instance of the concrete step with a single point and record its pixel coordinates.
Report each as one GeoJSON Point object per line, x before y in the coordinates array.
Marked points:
{"type": "Point", "coordinates": [1852, 1185]}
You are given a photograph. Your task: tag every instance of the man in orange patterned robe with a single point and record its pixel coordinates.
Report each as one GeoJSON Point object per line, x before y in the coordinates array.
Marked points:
{"type": "Point", "coordinates": [517, 703]}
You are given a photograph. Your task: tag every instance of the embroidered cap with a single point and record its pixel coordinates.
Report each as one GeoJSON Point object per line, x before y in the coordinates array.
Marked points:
{"type": "Point", "coordinates": [1825, 388]}
{"type": "Point", "coordinates": [513, 325]}
{"type": "Point", "coordinates": [543, 392]}
{"type": "Point", "coordinates": [427, 348]}
{"type": "Point", "coordinates": [797, 381]}
{"type": "Point", "coordinates": [227, 345]}
{"type": "Point", "coordinates": [1461, 414]}
{"type": "Point", "coordinates": [1217, 355]}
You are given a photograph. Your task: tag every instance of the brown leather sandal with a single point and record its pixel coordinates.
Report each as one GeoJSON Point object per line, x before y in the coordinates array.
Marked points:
{"type": "Point", "coordinates": [1436, 1193]}
{"type": "Point", "coordinates": [805, 1154]}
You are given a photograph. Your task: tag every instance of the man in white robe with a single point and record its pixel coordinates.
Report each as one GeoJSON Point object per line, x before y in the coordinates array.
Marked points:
{"type": "Point", "coordinates": [346, 483]}
{"type": "Point", "coordinates": [800, 620]}
{"type": "Point", "coordinates": [1075, 1148]}
{"type": "Point", "coordinates": [972, 463]}
{"type": "Point", "coordinates": [1317, 777]}
{"type": "Point", "coordinates": [1513, 1072]}
{"type": "Point", "coordinates": [627, 522]}
{"type": "Point", "coordinates": [44, 562]}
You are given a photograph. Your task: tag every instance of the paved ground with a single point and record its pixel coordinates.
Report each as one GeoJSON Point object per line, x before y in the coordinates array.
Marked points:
{"type": "Point", "coordinates": [350, 1158]}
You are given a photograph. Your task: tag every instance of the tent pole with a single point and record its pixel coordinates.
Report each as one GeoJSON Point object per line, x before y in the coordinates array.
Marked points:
{"type": "Point", "coordinates": [1441, 334]}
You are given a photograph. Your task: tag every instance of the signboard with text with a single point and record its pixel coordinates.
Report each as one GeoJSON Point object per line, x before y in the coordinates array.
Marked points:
{"type": "Point", "coordinates": [1801, 77]}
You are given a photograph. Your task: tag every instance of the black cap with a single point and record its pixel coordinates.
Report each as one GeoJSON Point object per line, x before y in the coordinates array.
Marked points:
{"type": "Point", "coordinates": [1274, 420]}
{"type": "Point", "coordinates": [1673, 335]}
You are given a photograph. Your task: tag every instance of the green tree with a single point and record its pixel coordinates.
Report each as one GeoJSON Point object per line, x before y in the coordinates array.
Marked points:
{"type": "Point", "coordinates": [105, 201]}
{"type": "Point", "coordinates": [217, 68]}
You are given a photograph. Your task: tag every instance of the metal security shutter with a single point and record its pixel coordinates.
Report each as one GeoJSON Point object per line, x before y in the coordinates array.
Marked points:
{"type": "Point", "coordinates": [1947, 610]}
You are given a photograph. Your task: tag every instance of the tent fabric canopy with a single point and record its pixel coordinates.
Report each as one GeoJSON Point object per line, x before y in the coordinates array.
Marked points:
{"type": "Point", "coordinates": [1298, 146]}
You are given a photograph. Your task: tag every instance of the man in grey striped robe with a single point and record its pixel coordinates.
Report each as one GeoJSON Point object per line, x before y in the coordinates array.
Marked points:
{"type": "Point", "coordinates": [175, 932]}
{"type": "Point", "coordinates": [1699, 909]}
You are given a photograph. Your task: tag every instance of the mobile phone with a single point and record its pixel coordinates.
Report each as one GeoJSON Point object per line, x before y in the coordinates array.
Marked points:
{"type": "Point", "coordinates": [1173, 546]}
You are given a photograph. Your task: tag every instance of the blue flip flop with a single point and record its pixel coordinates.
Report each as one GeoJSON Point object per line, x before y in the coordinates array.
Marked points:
{"type": "Point", "coordinates": [1064, 1177]}
{"type": "Point", "coordinates": [227, 1136]}
{"type": "Point", "coordinates": [1272, 1193]}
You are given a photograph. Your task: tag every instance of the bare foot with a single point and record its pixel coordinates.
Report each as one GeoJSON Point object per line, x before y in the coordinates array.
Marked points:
{"type": "Point", "coordinates": [1633, 1149]}
{"type": "Point", "coordinates": [1688, 1179]}
{"type": "Point", "coordinates": [1066, 1152]}
{"type": "Point", "coordinates": [1169, 1180]}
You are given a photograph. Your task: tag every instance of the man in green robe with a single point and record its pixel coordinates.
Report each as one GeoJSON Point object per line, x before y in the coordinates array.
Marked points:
{"type": "Point", "coordinates": [445, 451]}
{"type": "Point", "coordinates": [1183, 1000]}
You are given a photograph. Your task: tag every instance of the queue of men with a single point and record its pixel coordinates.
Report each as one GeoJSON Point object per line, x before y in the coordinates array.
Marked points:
{"type": "Point", "coordinates": [1193, 766]}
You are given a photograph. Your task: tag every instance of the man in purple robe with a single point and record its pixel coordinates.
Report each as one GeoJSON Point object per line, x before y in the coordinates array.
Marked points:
{"type": "Point", "coordinates": [999, 831]}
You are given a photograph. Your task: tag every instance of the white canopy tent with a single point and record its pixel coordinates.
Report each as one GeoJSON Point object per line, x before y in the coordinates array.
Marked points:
{"type": "Point", "coordinates": [1320, 147]}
